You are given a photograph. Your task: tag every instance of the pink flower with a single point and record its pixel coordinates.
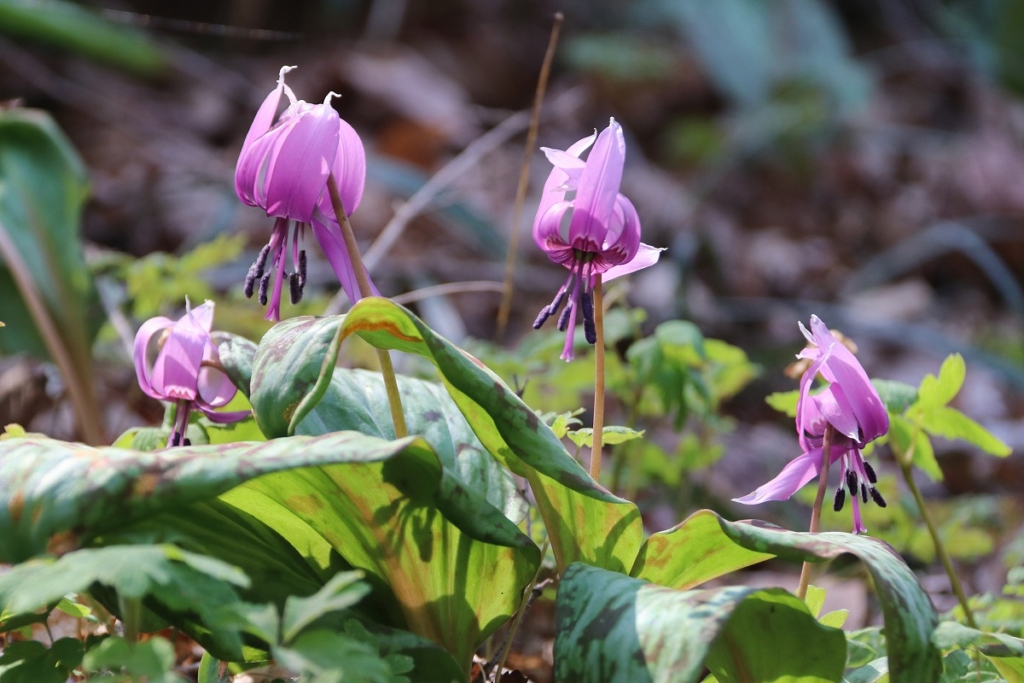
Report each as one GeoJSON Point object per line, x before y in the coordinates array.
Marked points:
{"type": "Point", "coordinates": [283, 169]}
{"type": "Point", "coordinates": [857, 415]}
{"type": "Point", "coordinates": [604, 232]}
{"type": "Point", "coordinates": [184, 372]}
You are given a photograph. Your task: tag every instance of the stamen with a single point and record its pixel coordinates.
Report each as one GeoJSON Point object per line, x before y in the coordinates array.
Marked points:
{"type": "Point", "coordinates": [261, 262]}
{"type": "Point", "coordinates": [186, 442]}
{"type": "Point", "coordinates": [175, 439]}
{"type": "Point", "coordinates": [840, 499]}
{"type": "Point", "coordinates": [250, 282]}
{"type": "Point", "coordinates": [302, 270]}
{"type": "Point", "coordinates": [544, 314]}
{"type": "Point", "coordinates": [563, 320]}
{"type": "Point", "coordinates": [864, 493]}
{"type": "Point", "coordinates": [877, 497]}
{"type": "Point", "coordinates": [264, 286]}
{"type": "Point", "coordinates": [589, 328]}
{"type": "Point", "coordinates": [295, 285]}
{"type": "Point", "coordinates": [851, 482]}
{"type": "Point", "coordinates": [870, 471]}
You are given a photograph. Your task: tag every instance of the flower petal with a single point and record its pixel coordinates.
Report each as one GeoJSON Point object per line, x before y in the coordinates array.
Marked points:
{"type": "Point", "coordinates": [646, 256]}
{"type": "Point", "coordinates": [176, 370]}
{"type": "Point", "coordinates": [547, 232]}
{"type": "Point", "coordinates": [260, 125]}
{"type": "Point", "coordinates": [791, 479]}
{"type": "Point", "coordinates": [598, 189]}
{"type": "Point", "coordinates": [142, 338]}
{"type": "Point", "coordinates": [328, 234]}
{"type": "Point", "coordinates": [222, 417]}
{"type": "Point", "coordinates": [349, 171]}
{"type": "Point", "coordinates": [295, 179]}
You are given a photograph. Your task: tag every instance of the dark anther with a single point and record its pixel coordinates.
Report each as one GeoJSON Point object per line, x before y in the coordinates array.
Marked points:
{"type": "Point", "coordinates": [589, 329]}
{"type": "Point", "coordinates": [837, 504]}
{"type": "Point", "coordinates": [563, 320]}
{"type": "Point", "coordinates": [250, 281]}
{"type": "Point", "coordinates": [186, 442]}
{"type": "Point", "coordinates": [544, 314]}
{"type": "Point", "coordinates": [877, 497]}
{"type": "Point", "coordinates": [870, 471]}
{"type": "Point", "coordinates": [295, 285]}
{"type": "Point", "coordinates": [175, 439]}
{"type": "Point", "coordinates": [302, 270]}
{"type": "Point", "coordinates": [261, 262]}
{"type": "Point", "coordinates": [264, 286]}
{"type": "Point", "coordinates": [851, 482]}
{"type": "Point", "coordinates": [864, 493]}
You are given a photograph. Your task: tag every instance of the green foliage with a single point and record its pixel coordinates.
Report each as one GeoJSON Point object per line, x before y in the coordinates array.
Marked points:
{"type": "Point", "coordinates": [68, 26]}
{"type": "Point", "coordinates": [44, 189]}
{"type": "Point", "coordinates": [124, 662]}
{"type": "Point", "coordinates": [159, 278]}
{"type": "Point", "coordinates": [612, 627]}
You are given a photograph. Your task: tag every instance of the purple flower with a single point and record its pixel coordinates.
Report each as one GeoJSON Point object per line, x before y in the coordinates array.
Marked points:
{"type": "Point", "coordinates": [185, 372]}
{"type": "Point", "coordinates": [857, 415]}
{"type": "Point", "coordinates": [283, 169]}
{"type": "Point", "coordinates": [604, 232]}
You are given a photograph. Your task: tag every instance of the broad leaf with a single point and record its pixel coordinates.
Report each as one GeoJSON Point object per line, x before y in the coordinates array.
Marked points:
{"type": "Point", "coordinates": [287, 364]}
{"type": "Point", "coordinates": [695, 551]}
{"type": "Point", "coordinates": [613, 627]}
{"type": "Point", "coordinates": [950, 423]}
{"type": "Point", "coordinates": [583, 520]}
{"type": "Point", "coordinates": [936, 392]}
{"type": "Point", "coordinates": [909, 616]}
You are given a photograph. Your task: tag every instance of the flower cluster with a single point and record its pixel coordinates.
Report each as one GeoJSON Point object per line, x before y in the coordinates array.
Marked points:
{"type": "Point", "coordinates": [186, 371]}
{"type": "Point", "coordinates": [851, 405]}
{"type": "Point", "coordinates": [603, 233]}
{"type": "Point", "coordinates": [284, 168]}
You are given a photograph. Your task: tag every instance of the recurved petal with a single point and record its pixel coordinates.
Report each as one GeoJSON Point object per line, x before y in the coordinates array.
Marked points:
{"type": "Point", "coordinates": [296, 178]}
{"type": "Point", "coordinates": [836, 408]}
{"type": "Point", "coordinates": [645, 257]}
{"type": "Point", "coordinates": [791, 479]}
{"type": "Point", "coordinates": [598, 189]}
{"type": "Point", "coordinates": [349, 171]}
{"type": "Point", "coordinates": [203, 316]}
{"type": "Point", "coordinates": [328, 233]}
{"type": "Point", "coordinates": [222, 418]}
{"type": "Point", "coordinates": [843, 368]}
{"type": "Point", "coordinates": [176, 370]}
{"type": "Point", "coordinates": [623, 237]}
{"type": "Point", "coordinates": [547, 232]}
{"type": "Point", "coordinates": [145, 334]}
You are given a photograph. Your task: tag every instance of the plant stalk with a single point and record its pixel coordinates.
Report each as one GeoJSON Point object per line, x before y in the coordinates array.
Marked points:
{"type": "Point", "coordinates": [908, 476]}
{"type": "Point", "coordinates": [387, 370]}
{"type": "Point", "coordinates": [524, 177]}
{"type": "Point", "coordinates": [595, 451]}
{"type": "Point", "coordinates": [826, 460]}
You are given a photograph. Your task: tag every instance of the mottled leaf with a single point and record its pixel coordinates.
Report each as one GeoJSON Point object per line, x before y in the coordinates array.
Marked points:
{"type": "Point", "coordinates": [695, 551]}
{"type": "Point", "coordinates": [613, 627]}
{"type": "Point", "coordinates": [583, 520]}
{"type": "Point", "coordinates": [909, 616]}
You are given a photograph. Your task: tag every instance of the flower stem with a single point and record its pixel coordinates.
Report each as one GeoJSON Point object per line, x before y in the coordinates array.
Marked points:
{"type": "Point", "coordinates": [906, 468]}
{"type": "Point", "coordinates": [524, 176]}
{"type": "Point", "coordinates": [387, 371]}
{"type": "Point", "coordinates": [826, 459]}
{"type": "Point", "coordinates": [595, 451]}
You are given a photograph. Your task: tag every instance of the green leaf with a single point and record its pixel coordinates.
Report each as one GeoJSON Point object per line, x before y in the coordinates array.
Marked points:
{"type": "Point", "coordinates": [613, 627]}
{"type": "Point", "coordinates": [611, 436]}
{"type": "Point", "coordinates": [784, 401]}
{"type": "Point", "coordinates": [288, 362]}
{"type": "Point", "coordinates": [455, 566]}
{"type": "Point", "coordinates": [73, 609]}
{"type": "Point", "coordinates": [936, 392]}
{"type": "Point", "coordinates": [901, 432]}
{"type": "Point", "coordinates": [236, 355]}
{"type": "Point", "coordinates": [583, 520]}
{"type": "Point", "coordinates": [896, 396]}
{"type": "Point", "coordinates": [695, 551]}
{"type": "Point", "coordinates": [212, 670]}
{"type": "Point", "coordinates": [32, 662]}
{"type": "Point", "coordinates": [950, 634]}
{"type": "Point", "coordinates": [341, 592]}
{"type": "Point", "coordinates": [875, 671]}
{"type": "Point", "coordinates": [152, 660]}
{"type": "Point", "coordinates": [43, 188]}
{"type": "Point", "coordinates": [950, 423]}
{"type": "Point", "coordinates": [67, 26]}
{"type": "Point", "coordinates": [328, 656]}
{"type": "Point", "coordinates": [908, 613]}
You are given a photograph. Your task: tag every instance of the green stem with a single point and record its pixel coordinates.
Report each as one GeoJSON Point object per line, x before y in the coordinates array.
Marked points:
{"type": "Point", "coordinates": [595, 451]}
{"type": "Point", "coordinates": [826, 459]}
{"type": "Point", "coordinates": [387, 371]}
{"type": "Point", "coordinates": [908, 476]}
{"type": "Point", "coordinates": [520, 613]}
{"type": "Point", "coordinates": [131, 617]}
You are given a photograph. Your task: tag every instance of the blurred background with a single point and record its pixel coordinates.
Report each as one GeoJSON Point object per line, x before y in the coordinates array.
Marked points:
{"type": "Point", "coordinates": [858, 159]}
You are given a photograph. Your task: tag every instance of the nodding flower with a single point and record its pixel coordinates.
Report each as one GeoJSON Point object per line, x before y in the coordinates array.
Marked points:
{"type": "Point", "coordinates": [283, 169]}
{"type": "Point", "coordinates": [186, 371]}
{"type": "Point", "coordinates": [603, 233]}
{"type": "Point", "coordinates": [851, 405]}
